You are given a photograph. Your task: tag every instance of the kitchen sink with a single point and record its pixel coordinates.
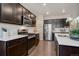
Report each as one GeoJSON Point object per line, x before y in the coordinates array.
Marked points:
{"type": "Point", "coordinates": [63, 35]}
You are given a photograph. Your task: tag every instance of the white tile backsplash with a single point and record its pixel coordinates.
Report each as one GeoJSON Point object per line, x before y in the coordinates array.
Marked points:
{"type": "Point", "coordinates": [31, 29]}
{"type": "Point", "coordinates": [12, 29]}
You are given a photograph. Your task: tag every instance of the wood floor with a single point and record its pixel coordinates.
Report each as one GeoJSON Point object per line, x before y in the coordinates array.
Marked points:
{"type": "Point", "coordinates": [45, 48]}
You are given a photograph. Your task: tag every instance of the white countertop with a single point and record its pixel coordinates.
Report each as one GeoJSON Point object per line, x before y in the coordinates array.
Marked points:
{"type": "Point", "coordinates": [56, 30]}
{"type": "Point", "coordinates": [29, 37]}
{"type": "Point", "coordinates": [66, 40]}
{"type": "Point", "coordinates": [11, 37]}
{"type": "Point", "coordinates": [60, 31]}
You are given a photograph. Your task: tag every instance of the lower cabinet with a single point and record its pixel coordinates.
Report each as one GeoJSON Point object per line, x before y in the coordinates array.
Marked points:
{"type": "Point", "coordinates": [68, 51]}
{"type": "Point", "coordinates": [17, 47]}
{"type": "Point", "coordinates": [63, 50]}
{"type": "Point", "coordinates": [37, 40]}
{"type": "Point", "coordinates": [19, 50]}
{"type": "Point", "coordinates": [32, 43]}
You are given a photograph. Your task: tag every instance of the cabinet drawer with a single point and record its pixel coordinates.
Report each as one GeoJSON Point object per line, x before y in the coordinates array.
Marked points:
{"type": "Point", "coordinates": [18, 50]}
{"type": "Point", "coordinates": [16, 41]}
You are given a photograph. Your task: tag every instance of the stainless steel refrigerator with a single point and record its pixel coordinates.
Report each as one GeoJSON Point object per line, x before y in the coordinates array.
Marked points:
{"type": "Point", "coordinates": [47, 31]}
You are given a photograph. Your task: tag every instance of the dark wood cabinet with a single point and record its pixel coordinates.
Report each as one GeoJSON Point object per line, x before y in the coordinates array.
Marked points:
{"type": "Point", "coordinates": [25, 12]}
{"type": "Point", "coordinates": [37, 39]}
{"type": "Point", "coordinates": [34, 21]}
{"type": "Point", "coordinates": [17, 47]}
{"type": "Point", "coordinates": [29, 18]}
{"type": "Point", "coordinates": [56, 22]}
{"type": "Point", "coordinates": [15, 13]}
{"type": "Point", "coordinates": [11, 13]}
{"type": "Point", "coordinates": [33, 41]}
{"type": "Point", "coordinates": [68, 50]}
{"type": "Point", "coordinates": [17, 50]}
{"type": "Point", "coordinates": [6, 13]}
{"type": "Point", "coordinates": [26, 18]}
{"type": "Point", "coordinates": [2, 48]}
{"type": "Point", "coordinates": [64, 50]}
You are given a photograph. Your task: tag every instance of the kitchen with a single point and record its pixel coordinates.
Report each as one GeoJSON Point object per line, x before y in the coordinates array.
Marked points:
{"type": "Point", "coordinates": [23, 29]}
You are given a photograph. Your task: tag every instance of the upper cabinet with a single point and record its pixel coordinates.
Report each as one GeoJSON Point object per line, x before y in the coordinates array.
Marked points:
{"type": "Point", "coordinates": [15, 13]}
{"type": "Point", "coordinates": [33, 17]}
{"type": "Point", "coordinates": [6, 13]}
{"type": "Point", "coordinates": [29, 18]}
{"type": "Point", "coordinates": [11, 13]}
{"type": "Point", "coordinates": [26, 18]}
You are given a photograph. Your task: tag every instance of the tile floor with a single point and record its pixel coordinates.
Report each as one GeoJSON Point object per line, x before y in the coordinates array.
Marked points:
{"type": "Point", "coordinates": [45, 48]}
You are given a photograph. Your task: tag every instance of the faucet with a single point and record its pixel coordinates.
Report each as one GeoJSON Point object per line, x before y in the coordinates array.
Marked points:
{"type": "Point", "coordinates": [3, 29]}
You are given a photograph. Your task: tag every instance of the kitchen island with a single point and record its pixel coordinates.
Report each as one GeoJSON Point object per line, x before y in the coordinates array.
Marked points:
{"type": "Point", "coordinates": [66, 46]}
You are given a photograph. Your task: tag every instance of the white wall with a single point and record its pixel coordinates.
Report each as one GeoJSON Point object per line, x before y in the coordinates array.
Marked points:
{"type": "Point", "coordinates": [39, 26]}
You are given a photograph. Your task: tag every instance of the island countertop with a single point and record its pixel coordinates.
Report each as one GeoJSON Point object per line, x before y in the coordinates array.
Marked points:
{"type": "Point", "coordinates": [66, 40]}
{"type": "Point", "coordinates": [8, 38]}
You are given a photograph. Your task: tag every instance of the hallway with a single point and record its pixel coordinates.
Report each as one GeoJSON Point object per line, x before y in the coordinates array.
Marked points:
{"type": "Point", "coordinates": [45, 48]}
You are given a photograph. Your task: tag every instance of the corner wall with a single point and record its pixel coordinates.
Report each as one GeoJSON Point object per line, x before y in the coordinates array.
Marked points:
{"type": "Point", "coordinates": [39, 26]}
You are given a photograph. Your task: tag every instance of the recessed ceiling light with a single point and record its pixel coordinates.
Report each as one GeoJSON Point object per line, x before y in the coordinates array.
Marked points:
{"type": "Point", "coordinates": [63, 10]}
{"type": "Point", "coordinates": [47, 13]}
{"type": "Point", "coordinates": [44, 4]}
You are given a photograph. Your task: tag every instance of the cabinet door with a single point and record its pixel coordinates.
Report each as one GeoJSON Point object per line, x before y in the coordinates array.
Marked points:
{"type": "Point", "coordinates": [34, 22]}
{"type": "Point", "coordinates": [25, 12]}
{"type": "Point", "coordinates": [26, 17]}
{"type": "Point", "coordinates": [37, 39]}
{"type": "Point", "coordinates": [11, 13]}
{"type": "Point", "coordinates": [62, 22]}
{"type": "Point", "coordinates": [6, 13]}
{"type": "Point", "coordinates": [18, 47]}
{"type": "Point", "coordinates": [33, 17]}
{"type": "Point", "coordinates": [31, 43]}
{"type": "Point", "coordinates": [17, 50]}
{"type": "Point", "coordinates": [17, 13]}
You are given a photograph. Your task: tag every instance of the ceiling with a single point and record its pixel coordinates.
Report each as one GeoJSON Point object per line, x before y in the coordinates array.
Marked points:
{"type": "Point", "coordinates": [52, 9]}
